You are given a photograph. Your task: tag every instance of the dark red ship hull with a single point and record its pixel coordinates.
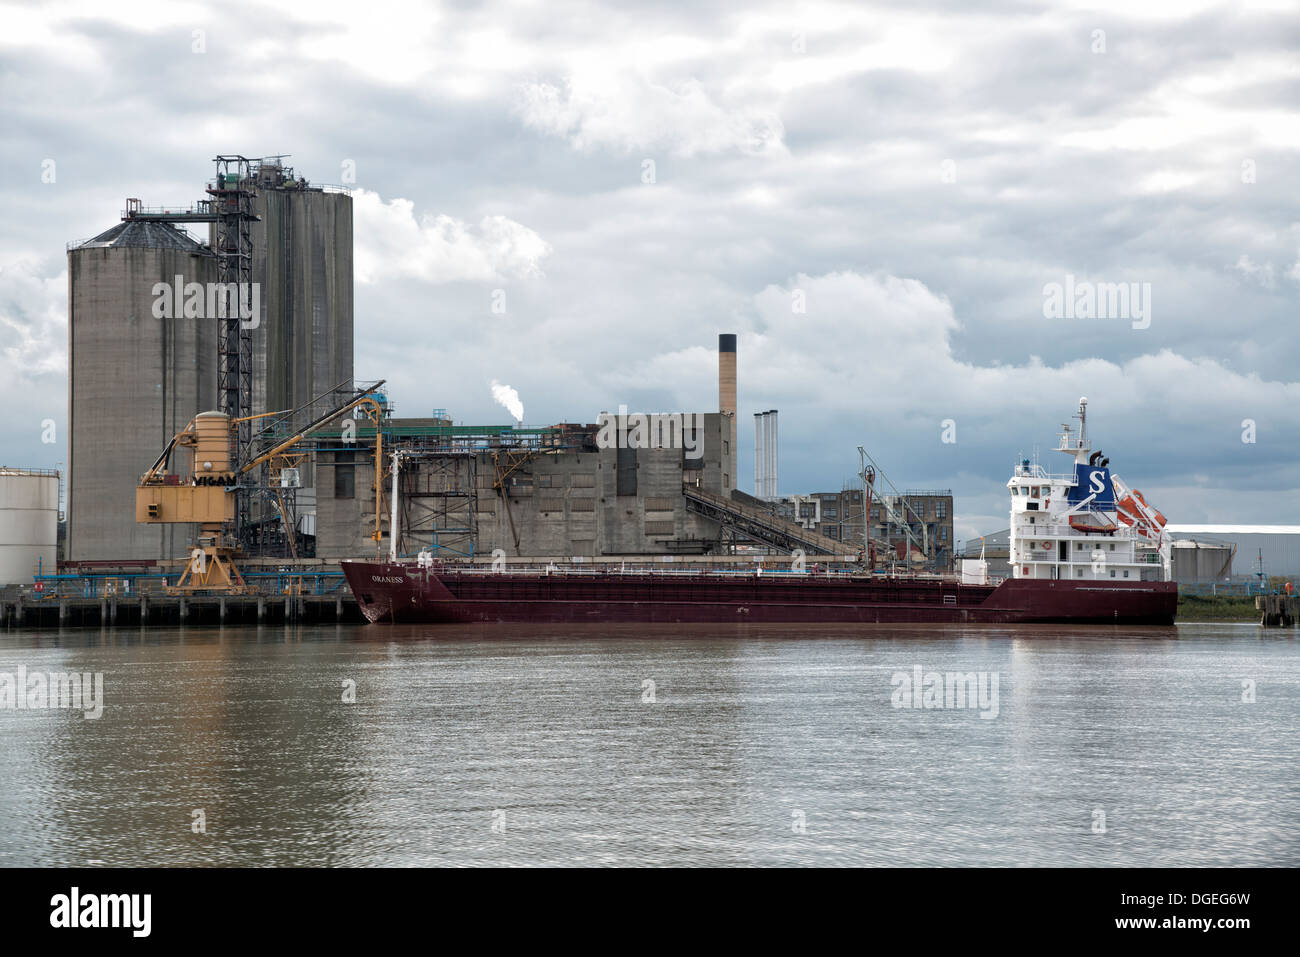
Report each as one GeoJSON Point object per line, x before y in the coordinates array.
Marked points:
{"type": "Point", "coordinates": [407, 593]}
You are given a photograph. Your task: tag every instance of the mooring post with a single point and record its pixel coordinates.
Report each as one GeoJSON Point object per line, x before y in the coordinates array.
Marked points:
{"type": "Point", "coordinates": [183, 609]}
{"type": "Point", "coordinates": [338, 608]}
{"type": "Point", "coordinates": [221, 609]}
{"type": "Point", "coordinates": [18, 612]}
{"type": "Point", "coordinates": [261, 608]}
{"type": "Point", "coordinates": [63, 610]}
{"type": "Point", "coordinates": [103, 611]}
{"type": "Point", "coordinates": [288, 613]}
{"type": "Point", "coordinates": [144, 609]}
{"type": "Point", "coordinates": [112, 612]}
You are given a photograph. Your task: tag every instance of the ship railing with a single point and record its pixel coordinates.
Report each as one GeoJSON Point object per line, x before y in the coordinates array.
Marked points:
{"type": "Point", "coordinates": [1037, 473]}
{"type": "Point", "coordinates": [1033, 471]}
{"type": "Point", "coordinates": [641, 571]}
{"type": "Point", "coordinates": [1121, 531]}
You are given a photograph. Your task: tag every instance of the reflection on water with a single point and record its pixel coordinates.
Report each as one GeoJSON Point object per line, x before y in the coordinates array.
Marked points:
{"type": "Point", "coordinates": [655, 745]}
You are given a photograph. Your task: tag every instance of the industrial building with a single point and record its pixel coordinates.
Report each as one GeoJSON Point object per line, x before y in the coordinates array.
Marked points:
{"type": "Point", "coordinates": [552, 493]}
{"type": "Point", "coordinates": [548, 492]}
{"type": "Point", "coordinates": [146, 357]}
{"type": "Point", "coordinates": [137, 378]}
{"type": "Point", "coordinates": [913, 527]}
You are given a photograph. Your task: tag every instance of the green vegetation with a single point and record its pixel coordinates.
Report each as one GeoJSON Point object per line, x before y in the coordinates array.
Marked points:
{"type": "Point", "coordinates": [1216, 608]}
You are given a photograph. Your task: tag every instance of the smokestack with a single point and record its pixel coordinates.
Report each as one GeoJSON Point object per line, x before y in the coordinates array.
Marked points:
{"type": "Point", "coordinates": [727, 405]}
{"type": "Point", "coordinates": [759, 478]}
{"type": "Point", "coordinates": [776, 447]}
{"type": "Point", "coordinates": [767, 455]}
{"type": "Point", "coordinates": [727, 373]}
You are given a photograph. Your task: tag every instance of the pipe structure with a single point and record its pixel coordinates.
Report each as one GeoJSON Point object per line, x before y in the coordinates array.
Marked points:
{"type": "Point", "coordinates": [392, 521]}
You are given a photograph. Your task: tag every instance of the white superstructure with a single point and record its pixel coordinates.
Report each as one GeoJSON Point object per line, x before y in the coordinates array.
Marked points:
{"type": "Point", "coordinates": [1087, 525]}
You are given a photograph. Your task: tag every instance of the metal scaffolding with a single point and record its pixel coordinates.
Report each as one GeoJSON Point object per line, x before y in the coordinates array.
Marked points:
{"type": "Point", "coordinates": [439, 498]}
{"type": "Point", "coordinates": [230, 210]}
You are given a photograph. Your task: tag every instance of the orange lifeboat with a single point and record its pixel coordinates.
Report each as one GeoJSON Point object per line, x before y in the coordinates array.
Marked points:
{"type": "Point", "coordinates": [1092, 522]}
{"type": "Point", "coordinates": [1130, 510]}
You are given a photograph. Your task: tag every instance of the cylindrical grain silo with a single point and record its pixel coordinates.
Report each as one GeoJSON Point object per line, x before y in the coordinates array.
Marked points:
{"type": "Point", "coordinates": [29, 523]}
{"type": "Point", "coordinates": [136, 378]}
{"type": "Point", "coordinates": [302, 257]}
{"type": "Point", "coordinates": [302, 265]}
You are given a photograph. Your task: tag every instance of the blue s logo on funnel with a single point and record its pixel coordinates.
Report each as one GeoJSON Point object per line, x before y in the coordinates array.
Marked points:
{"type": "Point", "coordinates": [1092, 480]}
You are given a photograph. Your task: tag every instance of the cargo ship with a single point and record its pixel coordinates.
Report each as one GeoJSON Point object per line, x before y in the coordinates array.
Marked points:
{"type": "Point", "coordinates": [1084, 549]}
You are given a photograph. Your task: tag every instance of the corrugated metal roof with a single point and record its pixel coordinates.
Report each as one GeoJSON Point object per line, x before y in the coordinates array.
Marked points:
{"type": "Point", "coordinates": [143, 234]}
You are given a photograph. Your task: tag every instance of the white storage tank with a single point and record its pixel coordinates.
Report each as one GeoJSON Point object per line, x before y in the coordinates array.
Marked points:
{"type": "Point", "coordinates": [29, 523]}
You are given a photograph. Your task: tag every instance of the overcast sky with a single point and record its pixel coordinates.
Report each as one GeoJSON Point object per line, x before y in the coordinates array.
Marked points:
{"type": "Point", "coordinates": [873, 197]}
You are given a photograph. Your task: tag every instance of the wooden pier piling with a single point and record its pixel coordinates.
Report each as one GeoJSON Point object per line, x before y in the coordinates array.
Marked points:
{"type": "Point", "coordinates": [161, 611]}
{"type": "Point", "coordinates": [1277, 611]}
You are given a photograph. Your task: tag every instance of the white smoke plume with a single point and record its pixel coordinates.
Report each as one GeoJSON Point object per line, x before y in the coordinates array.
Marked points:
{"type": "Point", "coordinates": [509, 398]}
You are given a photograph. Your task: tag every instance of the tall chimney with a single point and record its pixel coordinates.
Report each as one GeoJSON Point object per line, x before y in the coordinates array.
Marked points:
{"type": "Point", "coordinates": [759, 478]}
{"type": "Point", "coordinates": [727, 405]}
{"type": "Point", "coordinates": [776, 449]}
{"type": "Point", "coordinates": [767, 455]}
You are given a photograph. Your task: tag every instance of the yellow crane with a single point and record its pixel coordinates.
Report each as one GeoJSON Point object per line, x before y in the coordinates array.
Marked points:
{"type": "Point", "coordinates": [207, 497]}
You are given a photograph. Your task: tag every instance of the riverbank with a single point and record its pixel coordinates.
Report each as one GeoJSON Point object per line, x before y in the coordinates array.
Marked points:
{"type": "Point", "coordinates": [1217, 608]}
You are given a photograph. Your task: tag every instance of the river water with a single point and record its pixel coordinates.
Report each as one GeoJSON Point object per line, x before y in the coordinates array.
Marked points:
{"type": "Point", "coordinates": [650, 745]}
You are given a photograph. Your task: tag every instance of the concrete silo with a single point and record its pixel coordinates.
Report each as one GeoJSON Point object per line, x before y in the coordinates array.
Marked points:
{"type": "Point", "coordinates": [29, 523]}
{"type": "Point", "coordinates": [302, 256]}
{"type": "Point", "coordinates": [302, 259]}
{"type": "Point", "coordinates": [135, 380]}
